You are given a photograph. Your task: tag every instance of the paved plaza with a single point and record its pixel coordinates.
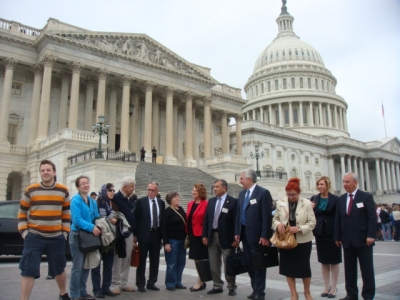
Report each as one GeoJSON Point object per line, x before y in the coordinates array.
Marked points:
{"type": "Point", "coordinates": [386, 262]}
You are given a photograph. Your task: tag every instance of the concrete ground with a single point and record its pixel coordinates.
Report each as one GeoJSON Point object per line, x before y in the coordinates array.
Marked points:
{"type": "Point", "coordinates": [386, 262]}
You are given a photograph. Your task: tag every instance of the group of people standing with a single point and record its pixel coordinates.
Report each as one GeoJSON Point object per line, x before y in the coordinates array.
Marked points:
{"type": "Point", "coordinates": [153, 154]}
{"type": "Point", "coordinates": [212, 228]}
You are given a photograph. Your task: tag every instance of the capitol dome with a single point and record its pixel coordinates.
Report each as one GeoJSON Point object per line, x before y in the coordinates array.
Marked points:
{"type": "Point", "coordinates": [291, 87]}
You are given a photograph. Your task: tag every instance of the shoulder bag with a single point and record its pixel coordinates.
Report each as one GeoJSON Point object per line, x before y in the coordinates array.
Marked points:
{"type": "Point", "coordinates": [88, 241]}
{"type": "Point", "coordinates": [186, 244]}
{"type": "Point", "coordinates": [285, 240]}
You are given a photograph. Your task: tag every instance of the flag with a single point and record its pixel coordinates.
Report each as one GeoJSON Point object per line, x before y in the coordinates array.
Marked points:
{"type": "Point", "coordinates": [383, 111]}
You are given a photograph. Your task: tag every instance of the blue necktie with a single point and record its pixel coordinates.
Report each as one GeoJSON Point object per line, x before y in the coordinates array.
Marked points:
{"type": "Point", "coordinates": [245, 204]}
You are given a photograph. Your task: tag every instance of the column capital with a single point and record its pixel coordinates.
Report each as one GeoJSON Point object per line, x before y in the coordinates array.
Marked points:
{"type": "Point", "coordinates": [207, 101]}
{"type": "Point", "coordinates": [90, 81]}
{"type": "Point", "coordinates": [29, 77]}
{"type": "Point", "coordinates": [188, 96]}
{"type": "Point", "coordinates": [10, 62]}
{"type": "Point", "coordinates": [65, 75]}
{"type": "Point", "coordinates": [224, 113]}
{"type": "Point", "coordinates": [169, 91]}
{"type": "Point", "coordinates": [102, 73]}
{"type": "Point", "coordinates": [76, 67]}
{"type": "Point", "coordinates": [149, 86]}
{"type": "Point", "coordinates": [37, 69]}
{"type": "Point", "coordinates": [239, 118]}
{"type": "Point", "coordinates": [48, 60]}
{"type": "Point", "coordinates": [342, 154]}
{"type": "Point", "coordinates": [126, 80]}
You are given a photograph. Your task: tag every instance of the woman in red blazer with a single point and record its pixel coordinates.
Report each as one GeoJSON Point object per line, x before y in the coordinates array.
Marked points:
{"type": "Point", "coordinates": [195, 212]}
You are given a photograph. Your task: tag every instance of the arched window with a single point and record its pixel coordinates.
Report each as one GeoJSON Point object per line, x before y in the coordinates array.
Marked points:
{"type": "Point", "coordinates": [256, 90]}
{"type": "Point", "coordinates": [292, 83]}
{"type": "Point", "coordinates": [301, 83]}
{"type": "Point", "coordinates": [277, 117]}
{"type": "Point", "coordinates": [290, 52]}
{"type": "Point", "coordinates": [322, 84]}
{"type": "Point", "coordinates": [283, 52]}
{"type": "Point", "coordinates": [262, 88]}
{"type": "Point", "coordinates": [277, 53]}
{"type": "Point", "coordinates": [276, 85]}
{"type": "Point", "coordinates": [293, 173]}
{"type": "Point", "coordinates": [286, 111]}
{"type": "Point", "coordinates": [269, 86]}
{"type": "Point", "coordinates": [309, 83]}
{"type": "Point", "coordinates": [284, 84]}
{"type": "Point", "coordinates": [316, 84]}
{"type": "Point", "coordinates": [297, 53]}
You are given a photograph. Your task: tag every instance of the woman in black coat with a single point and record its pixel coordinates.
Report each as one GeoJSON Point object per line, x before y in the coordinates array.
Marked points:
{"type": "Point", "coordinates": [329, 255]}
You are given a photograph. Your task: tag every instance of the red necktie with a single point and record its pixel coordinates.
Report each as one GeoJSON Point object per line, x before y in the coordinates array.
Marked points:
{"type": "Point", "coordinates": [350, 204]}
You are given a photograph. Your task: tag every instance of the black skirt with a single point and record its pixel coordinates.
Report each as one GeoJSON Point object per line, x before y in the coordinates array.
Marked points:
{"type": "Point", "coordinates": [197, 250]}
{"type": "Point", "coordinates": [327, 251]}
{"type": "Point", "coordinates": [296, 262]}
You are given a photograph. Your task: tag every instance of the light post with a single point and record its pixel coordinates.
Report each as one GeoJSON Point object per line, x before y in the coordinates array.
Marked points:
{"type": "Point", "coordinates": [257, 155]}
{"type": "Point", "coordinates": [100, 129]}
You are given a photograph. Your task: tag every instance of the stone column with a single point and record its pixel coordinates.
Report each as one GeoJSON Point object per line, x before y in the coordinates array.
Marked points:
{"type": "Point", "coordinates": [175, 124]}
{"type": "Point", "coordinates": [101, 93]}
{"type": "Point", "coordinates": [394, 185]}
{"type": "Point", "coordinates": [37, 83]}
{"type": "Point", "coordinates": [378, 177]}
{"type": "Point", "coordinates": [342, 165]}
{"type": "Point", "coordinates": [332, 172]}
{"type": "Point", "coordinates": [169, 158]}
{"type": "Point", "coordinates": [397, 171]}
{"type": "Point", "coordinates": [112, 115]}
{"type": "Point", "coordinates": [63, 108]}
{"type": "Point", "coordinates": [336, 117]}
{"type": "Point", "coordinates": [388, 177]}
{"type": "Point", "coordinates": [135, 142]}
{"type": "Point", "coordinates": [311, 118]}
{"type": "Point", "coordinates": [280, 114]}
{"type": "Point", "coordinates": [367, 182]}
{"type": "Point", "coordinates": [189, 162]}
{"type": "Point", "coordinates": [9, 63]}
{"type": "Point", "coordinates": [362, 174]}
{"type": "Point", "coordinates": [321, 115]}
{"type": "Point", "coordinates": [147, 119]}
{"type": "Point", "coordinates": [301, 114]}
{"type": "Point", "coordinates": [355, 169]}
{"type": "Point", "coordinates": [345, 120]}
{"type": "Point", "coordinates": [126, 88]}
{"type": "Point", "coordinates": [348, 164]}
{"type": "Point", "coordinates": [261, 114]}
{"type": "Point", "coordinates": [156, 123]}
{"type": "Point", "coordinates": [89, 104]}
{"type": "Point", "coordinates": [207, 127]}
{"type": "Point", "coordinates": [290, 115]}
{"type": "Point", "coordinates": [48, 62]}
{"type": "Point", "coordinates": [383, 170]}
{"type": "Point", "coordinates": [76, 68]}
{"type": "Point", "coordinates": [328, 107]}
{"type": "Point", "coordinates": [238, 119]}
{"type": "Point", "coordinates": [225, 133]}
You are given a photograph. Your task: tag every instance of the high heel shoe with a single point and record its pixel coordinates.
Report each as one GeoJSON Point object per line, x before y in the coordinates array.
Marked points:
{"type": "Point", "coordinates": [202, 287]}
{"type": "Point", "coordinates": [332, 295]}
{"type": "Point", "coordinates": [326, 294]}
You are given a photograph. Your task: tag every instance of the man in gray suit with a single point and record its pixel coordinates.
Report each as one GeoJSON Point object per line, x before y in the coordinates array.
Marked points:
{"type": "Point", "coordinates": [219, 234]}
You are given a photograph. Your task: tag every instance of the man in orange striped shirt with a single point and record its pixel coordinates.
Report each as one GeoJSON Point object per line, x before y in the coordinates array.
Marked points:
{"type": "Point", "coordinates": [43, 221]}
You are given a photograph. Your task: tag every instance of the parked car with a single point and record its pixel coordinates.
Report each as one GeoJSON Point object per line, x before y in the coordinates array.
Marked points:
{"type": "Point", "coordinates": [11, 241]}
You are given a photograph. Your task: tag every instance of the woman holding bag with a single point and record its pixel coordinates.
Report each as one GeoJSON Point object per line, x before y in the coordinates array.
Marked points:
{"type": "Point", "coordinates": [173, 231]}
{"type": "Point", "coordinates": [297, 213]}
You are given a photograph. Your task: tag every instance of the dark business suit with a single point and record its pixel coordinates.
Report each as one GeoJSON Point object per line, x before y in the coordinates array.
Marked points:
{"type": "Point", "coordinates": [220, 239]}
{"type": "Point", "coordinates": [149, 241]}
{"type": "Point", "coordinates": [353, 231]}
{"type": "Point", "coordinates": [257, 225]}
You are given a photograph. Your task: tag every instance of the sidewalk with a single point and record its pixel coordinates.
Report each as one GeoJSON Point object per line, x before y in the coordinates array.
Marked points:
{"type": "Point", "coordinates": [386, 262]}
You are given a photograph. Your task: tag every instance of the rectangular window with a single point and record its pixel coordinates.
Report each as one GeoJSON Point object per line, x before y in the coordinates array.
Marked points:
{"type": "Point", "coordinates": [276, 85]}
{"type": "Point", "coordinates": [16, 89]}
{"type": "Point", "coordinates": [279, 154]}
{"type": "Point", "coordinates": [12, 134]}
{"type": "Point", "coordinates": [316, 161]}
{"type": "Point", "coordinates": [301, 83]}
{"type": "Point", "coordinates": [284, 84]}
{"type": "Point", "coordinates": [218, 129]}
{"type": "Point", "coordinates": [306, 159]}
{"type": "Point", "coordinates": [316, 84]}
{"type": "Point", "coordinates": [262, 88]}
{"type": "Point", "coordinates": [309, 83]}
{"type": "Point", "coordinates": [292, 83]}
{"type": "Point", "coordinates": [308, 182]}
{"type": "Point", "coordinates": [277, 117]}
{"type": "Point", "coordinates": [305, 115]}
{"type": "Point", "coordinates": [295, 116]}
{"type": "Point", "coordinates": [286, 111]}
{"type": "Point", "coordinates": [269, 86]}
{"type": "Point", "coordinates": [326, 117]}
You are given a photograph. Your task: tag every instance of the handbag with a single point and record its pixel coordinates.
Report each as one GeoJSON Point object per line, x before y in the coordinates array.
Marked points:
{"type": "Point", "coordinates": [186, 244]}
{"type": "Point", "coordinates": [285, 240]}
{"type": "Point", "coordinates": [203, 268]}
{"type": "Point", "coordinates": [135, 258]}
{"type": "Point", "coordinates": [88, 241]}
{"type": "Point", "coordinates": [264, 257]}
{"type": "Point", "coordinates": [235, 263]}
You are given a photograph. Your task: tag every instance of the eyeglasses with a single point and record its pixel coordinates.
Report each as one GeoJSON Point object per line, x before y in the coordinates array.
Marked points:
{"type": "Point", "coordinates": [150, 190]}
{"type": "Point", "coordinates": [111, 190]}
{"type": "Point", "coordinates": [291, 195]}
{"type": "Point", "coordinates": [85, 183]}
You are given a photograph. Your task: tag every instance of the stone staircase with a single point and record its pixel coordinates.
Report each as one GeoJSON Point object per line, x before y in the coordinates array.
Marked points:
{"type": "Point", "coordinates": [172, 178]}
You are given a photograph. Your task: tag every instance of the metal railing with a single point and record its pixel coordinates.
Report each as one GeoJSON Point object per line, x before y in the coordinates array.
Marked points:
{"type": "Point", "coordinates": [108, 154]}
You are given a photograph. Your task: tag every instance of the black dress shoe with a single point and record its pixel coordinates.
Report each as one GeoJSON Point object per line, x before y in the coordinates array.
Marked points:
{"type": "Point", "coordinates": [202, 287]}
{"type": "Point", "coordinates": [348, 298]}
{"type": "Point", "coordinates": [214, 291]}
{"type": "Point", "coordinates": [170, 288]}
{"type": "Point", "coordinates": [108, 293]}
{"type": "Point", "coordinates": [152, 287]}
{"type": "Point", "coordinates": [99, 295]}
{"type": "Point", "coordinates": [141, 289]}
{"type": "Point", "coordinates": [259, 297]}
{"type": "Point", "coordinates": [181, 287]}
{"type": "Point", "coordinates": [251, 296]}
{"type": "Point", "coordinates": [232, 292]}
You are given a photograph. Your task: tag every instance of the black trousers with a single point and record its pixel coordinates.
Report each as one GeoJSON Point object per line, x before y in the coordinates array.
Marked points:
{"type": "Point", "coordinates": [365, 258]}
{"type": "Point", "coordinates": [257, 277]}
{"type": "Point", "coordinates": [152, 248]}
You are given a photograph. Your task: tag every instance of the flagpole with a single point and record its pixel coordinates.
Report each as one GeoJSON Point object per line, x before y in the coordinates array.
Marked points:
{"type": "Point", "coordinates": [384, 122]}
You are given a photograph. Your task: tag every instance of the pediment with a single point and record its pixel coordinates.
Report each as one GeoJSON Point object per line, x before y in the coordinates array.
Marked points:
{"type": "Point", "coordinates": [392, 145]}
{"type": "Point", "coordinates": [137, 47]}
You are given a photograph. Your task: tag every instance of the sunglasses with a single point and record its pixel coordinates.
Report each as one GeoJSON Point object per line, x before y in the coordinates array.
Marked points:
{"type": "Point", "coordinates": [111, 190]}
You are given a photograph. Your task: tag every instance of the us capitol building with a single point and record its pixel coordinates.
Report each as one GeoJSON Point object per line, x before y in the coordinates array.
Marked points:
{"type": "Point", "coordinates": [56, 82]}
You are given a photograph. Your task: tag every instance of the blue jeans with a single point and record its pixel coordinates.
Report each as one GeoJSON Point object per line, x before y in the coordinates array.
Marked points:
{"type": "Point", "coordinates": [108, 261]}
{"type": "Point", "coordinates": [386, 229]}
{"type": "Point", "coordinates": [176, 260]}
{"type": "Point", "coordinates": [79, 276]}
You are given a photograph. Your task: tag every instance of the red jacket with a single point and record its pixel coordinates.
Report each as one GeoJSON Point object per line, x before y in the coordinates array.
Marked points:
{"type": "Point", "coordinates": [198, 216]}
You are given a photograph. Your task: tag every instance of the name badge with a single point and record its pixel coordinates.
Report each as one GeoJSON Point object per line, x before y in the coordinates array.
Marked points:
{"type": "Point", "coordinates": [360, 205]}
{"type": "Point", "coordinates": [283, 204]}
{"type": "Point", "coordinates": [224, 210]}
{"type": "Point", "coordinates": [253, 201]}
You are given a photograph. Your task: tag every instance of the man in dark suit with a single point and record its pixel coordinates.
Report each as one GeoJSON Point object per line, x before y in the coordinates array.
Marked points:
{"type": "Point", "coordinates": [219, 234]}
{"type": "Point", "coordinates": [148, 214]}
{"type": "Point", "coordinates": [253, 226]}
{"type": "Point", "coordinates": [355, 226]}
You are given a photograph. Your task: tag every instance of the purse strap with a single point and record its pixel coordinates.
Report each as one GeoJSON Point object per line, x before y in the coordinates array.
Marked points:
{"type": "Point", "coordinates": [179, 215]}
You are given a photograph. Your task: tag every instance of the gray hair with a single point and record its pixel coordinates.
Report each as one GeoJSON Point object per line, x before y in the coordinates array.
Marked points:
{"type": "Point", "coordinates": [156, 184]}
{"type": "Point", "coordinates": [250, 173]}
{"type": "Point", "coordinates": [127, 180]}
{"type": "Point", "coordinates": [353, 176]}
{"type": "Point", "coordinates": [223, 182]}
